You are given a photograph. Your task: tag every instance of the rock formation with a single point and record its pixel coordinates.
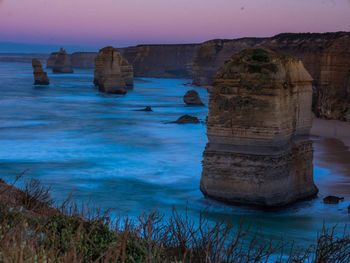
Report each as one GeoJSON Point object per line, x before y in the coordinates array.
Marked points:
{"type": "Point", "coordinates": [40, 76]}
{"type": "Point", "coordinates": [62, 63]}
{"type": "Point", "coordinates": [161, 61]}
{"type": "Point", "coordinates": [83, 59]}
{"type": "Point", "coordinates": [331, 199]}
{"type": "Point", "coordinates": [327, 58]}
{"type": "Point", "coordinates": [258, 152]}
{"type": "Point", "coordinates": [212, 54]}
{"type": "Point", "coordinates": [127, 73]}
{"type": "Point", "coordinates": [186, 119]}
{"type": "Point", "coordinates": [192, 98]}
{"type": "Point", "coordinates": [112, 71]}
{"type": "Point", "coordinates": [51, 60]}
{"type": "Point", "coordinates": [147, 108]}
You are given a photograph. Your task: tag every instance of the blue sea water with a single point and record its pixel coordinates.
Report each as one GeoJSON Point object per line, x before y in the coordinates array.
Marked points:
{"type": "Point", "coordinates": [74, 138]}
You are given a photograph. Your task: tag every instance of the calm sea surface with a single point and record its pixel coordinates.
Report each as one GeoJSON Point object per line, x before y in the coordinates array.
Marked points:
{"type": "Point", "coordinates": [72, 137]}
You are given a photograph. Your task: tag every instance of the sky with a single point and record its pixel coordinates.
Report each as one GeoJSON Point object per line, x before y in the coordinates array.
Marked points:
{"type": "Point", "coordinates": [96, 23]}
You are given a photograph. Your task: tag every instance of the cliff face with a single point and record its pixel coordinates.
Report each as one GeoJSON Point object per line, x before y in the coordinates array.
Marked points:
{"type": "Point", "coordinates": [259, 119]}
{"type": "Point", "coordinates": [211, 55]}
{"type": "Point", "coordinates": [112, 72]}
{"type": "Point", "coordinates": [327, 58]}
{"type": "Point", "coordinates": [40, 77]}
{"type": "Point", "coordinates": [161, 61]}
{"type": "Point", "coordinates": [62, 63]}
{"type": "Point", "coordinates": [83, 59]}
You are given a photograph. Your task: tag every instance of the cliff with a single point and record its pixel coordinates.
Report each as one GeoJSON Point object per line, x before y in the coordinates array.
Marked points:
{"type": "Point", "coordinates": [327, 58]}
{"type": "Point", "coordinates": [112, 72]}
{"type": "Point", "coordinates": [161, 61]}
{"type": "Point", "coordinates": [62, 63]}
{"type": "Point", "coordinates": [258, 124]}
{"type": "Point", "coordinates": [83, 59]}
{"type": "Point", "coordinates": [211, 55]}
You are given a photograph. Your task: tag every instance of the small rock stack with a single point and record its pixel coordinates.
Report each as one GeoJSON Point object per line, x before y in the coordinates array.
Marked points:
{"type": "Point", "coordinates": [40, 76]}
{"type": "Point", "coordinates": [62, 63]}
{"type": "Point", "coordinates": [113, 73]}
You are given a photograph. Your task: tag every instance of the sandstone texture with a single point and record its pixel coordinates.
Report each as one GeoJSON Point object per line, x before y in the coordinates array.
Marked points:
{"type": "Point", "coordinates": [327, 58]}
{"type": "Point", "coordinates": [161, 61]}
{"type": "Point", "coordinates": [112, 72]}
{"type": "Point", "coordinates": [62, 63]}
{"type": "Point", "coordinates": [192, 98]}
{"type": "Point", "coordinates": [40, 76]}
{"type": "Point", "coordinates": [83, 59]}
{"type": "Point", "coordinates": [258, 152]}
{"type": "Point", "coordinates": [211, 55]}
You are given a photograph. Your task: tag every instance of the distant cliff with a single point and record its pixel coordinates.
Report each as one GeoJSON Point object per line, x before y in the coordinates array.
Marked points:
{"type": "Point", "coordinates": [83, 59]}
{"type": "Point", "coordinates": [327, 58]}
{"type": "Point", "coordinates": [161, 61]}
{"type": "Point", "coordinates": [78, 59]}
{"type": "Point", "coordinates": [211, 55]}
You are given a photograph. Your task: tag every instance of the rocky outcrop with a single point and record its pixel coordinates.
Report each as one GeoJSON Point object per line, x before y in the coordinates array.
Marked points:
{"type": "Point", "coordinates": [112, 71]}
{"type": "Point", "coordinates": [83, 59]}
{"type": "Point", "coordinates": [62, 63]}
{"type": "Point", "coordinates": [186, 119]}
{"type": "Point", "coordinates": [192, 98]}
{"type": "Point", "coordinates": [40, 76]}
{"type": "Point", "coordinates": [127, 72]}
{"type": "Point", "coordinates": [211, 55]}
{"type": "Point", "coordinates": [331, 199]}
{"type": "Point", "coordinates": [258, 152]}
{"type": "Point", "coordinates": [51, 60]}
{"type": "Point", "coordinates": [327, 58]}
{"type": "Point", "coordinates": [161, 61]}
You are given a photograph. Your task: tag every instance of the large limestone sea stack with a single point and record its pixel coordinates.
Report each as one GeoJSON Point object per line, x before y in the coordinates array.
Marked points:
{"type": "Point", "coordinates": [40, 76]}
{"type": "Point", "coordinates": [113, 73]}
{"type": "Point", "coordinates": [259, 120]}
{"type": "Point", "coordinates": [62, 63]}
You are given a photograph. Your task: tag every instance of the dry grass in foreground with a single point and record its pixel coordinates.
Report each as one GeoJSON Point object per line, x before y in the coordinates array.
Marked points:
{"type": "Point", "coordinates": [31, 230]}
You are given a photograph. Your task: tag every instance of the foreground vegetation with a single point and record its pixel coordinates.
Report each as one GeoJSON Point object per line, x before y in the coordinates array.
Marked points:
{"type": "Point", "coordinates": [33, 230]}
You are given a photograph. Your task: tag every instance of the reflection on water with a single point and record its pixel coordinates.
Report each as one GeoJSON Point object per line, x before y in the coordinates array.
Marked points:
{"type": "Point", "coordinates": [74, 138]}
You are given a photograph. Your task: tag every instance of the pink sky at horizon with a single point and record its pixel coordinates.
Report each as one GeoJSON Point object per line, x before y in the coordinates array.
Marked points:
{"type": "Point", "coordinates": [130, 22]}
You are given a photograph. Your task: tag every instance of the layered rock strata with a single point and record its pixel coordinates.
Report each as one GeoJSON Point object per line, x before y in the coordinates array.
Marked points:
{"type": "Point", "coordinates": [62, 63]}
{"type": "Point", "coordinates": [40, 76]}
{"type": "Point", "coordinates": [212, 54]}
{"type": "Point", "coordinates": [161, 61]}
{"type": "Point", "coordinates": [51, 60]}
{"type": "Point", "coordinates": [258, 152]}
{"type": "Point", "coordinates": [112, 72]}
{"type": "Point", "coordinates": [327, 58]}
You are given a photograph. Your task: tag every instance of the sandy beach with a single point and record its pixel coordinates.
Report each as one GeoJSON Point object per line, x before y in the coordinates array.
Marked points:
{"type": "Point", "coordinates": [331, 140]}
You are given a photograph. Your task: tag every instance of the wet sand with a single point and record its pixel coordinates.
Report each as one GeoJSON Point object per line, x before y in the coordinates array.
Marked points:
{"type": "Point", "coordinates": [331, 140]}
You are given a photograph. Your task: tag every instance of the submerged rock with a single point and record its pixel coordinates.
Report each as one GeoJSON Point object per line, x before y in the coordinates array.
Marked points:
{"type": "Point", "coordinates": [40, 76]}
{"type": "Point", "coordinates": [258, 152]}
{"type": "Point", "coordinates": [148, 108]}
{"type": "Point", "coordinates": [186, 119]}
{"type": "Point", "coordinates": [62, 63]}
{"type": "Point", "coordinates": [332, 199]}
{"type": "Point", "coordinates": [112, 72]}
{"type": "Point", "coordinates": [192, 98]}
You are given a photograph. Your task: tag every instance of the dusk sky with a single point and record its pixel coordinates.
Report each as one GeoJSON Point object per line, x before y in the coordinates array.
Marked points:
{"type": "Point", "coordinates": [130, 22]}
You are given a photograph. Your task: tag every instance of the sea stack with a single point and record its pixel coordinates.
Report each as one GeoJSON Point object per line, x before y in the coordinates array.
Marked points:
{"type": "Point", "coordinates": [62, 63]}
{"type": "Point", "coordinates": [40, 76]}
{"type": "Point", "coordinates": [258, 151]}
{"type": "Point", "coordinates": [113, 73]}
{"type": "Point", "coordinates": [191, 98]}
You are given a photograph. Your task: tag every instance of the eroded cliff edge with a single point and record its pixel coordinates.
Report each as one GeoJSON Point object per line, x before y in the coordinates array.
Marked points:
{"type": "Point", "coordinates": [258, 152]}
{"type": "Point", "coordinates": [161, 61]}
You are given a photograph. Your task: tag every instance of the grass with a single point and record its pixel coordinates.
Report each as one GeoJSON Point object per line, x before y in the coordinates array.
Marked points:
{"type": "Point", "coordinates": [46, 233]}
